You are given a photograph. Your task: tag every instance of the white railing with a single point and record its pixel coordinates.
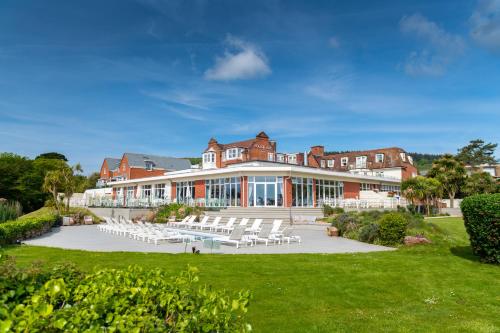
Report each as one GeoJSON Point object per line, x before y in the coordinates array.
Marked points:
{"type": "Point", "coordinates": [364, 203]}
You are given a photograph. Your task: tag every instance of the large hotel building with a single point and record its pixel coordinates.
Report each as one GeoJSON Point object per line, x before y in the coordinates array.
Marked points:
{"type": "Point", "coordinates": [252, 173]}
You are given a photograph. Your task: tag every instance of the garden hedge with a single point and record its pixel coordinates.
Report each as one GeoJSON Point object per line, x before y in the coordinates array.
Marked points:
{"type": "Point", "coordinates": [482, 221]}
{"type": "Point", "coordinates": [27, 226]}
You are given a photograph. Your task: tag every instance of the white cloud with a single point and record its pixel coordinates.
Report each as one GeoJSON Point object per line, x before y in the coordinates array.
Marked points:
{"type": "Point", "coordinates": [441, 47]}
{"type": "Point", "coordinates": [247, 62]}
{"type": "Point", "coordinates": [485, 24]}
{"type": "Point", "coordinates": [187, 114]}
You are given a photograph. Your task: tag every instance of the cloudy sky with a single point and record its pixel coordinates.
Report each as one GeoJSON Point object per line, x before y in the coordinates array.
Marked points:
{"type": "Point", "coordinates": [99, 78]}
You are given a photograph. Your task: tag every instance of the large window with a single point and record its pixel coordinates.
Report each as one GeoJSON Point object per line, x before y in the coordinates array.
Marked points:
{"type": "Point", "coordinates": [379, 158]}
{"type": "Point", "coordinates": [223, 192]}
{"type": "Point", "coordinates": [366, 187]}
{"type": "Point", "coordinates": [292, 159]}
{"type": "Point", "coordinates": [160, 191]}
{"type": "Point", "coordinates": [131, 192]}
{"type": "Point", "coordinates": [185, 192]}
{"type": "Point", "coordinates": [360, 162]}
{"type": "Point", "coordinates": [327, 191]}
{"type": "Point", "coordinates": [390, 188]}
{"type": "Point", "coordinates": [265, 191]}
{"type": "Point", "coordinates": [343, 161]}
{"type": "Point", "coordinates": [146, 191]}
{"type": "Point", "coordinates": [302, 195]}
{"type": "Point", "coordinates": [233, 153]}
{"type": "Point", "coordinates": [331, 163]}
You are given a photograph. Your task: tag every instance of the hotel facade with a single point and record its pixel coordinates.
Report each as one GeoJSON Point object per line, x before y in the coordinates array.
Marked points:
{"type": "Point", "coordinates": [252, 173]}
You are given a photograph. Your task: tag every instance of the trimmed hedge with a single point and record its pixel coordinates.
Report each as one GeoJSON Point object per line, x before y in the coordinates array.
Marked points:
{"type": "Point", "coordinates": [27, 226]}
{"type": "Point", "coordinates": [482, 221]}
{"type": "Point", "coordinates": [392, 228]}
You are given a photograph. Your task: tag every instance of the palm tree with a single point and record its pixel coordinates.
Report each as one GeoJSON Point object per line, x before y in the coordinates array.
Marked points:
{"type": "Point", "coordinates": [450, 173]}
{"type": "Point", "coordinates": [414, 189]}
{"type": "Point", "coordinates": [51, 184]}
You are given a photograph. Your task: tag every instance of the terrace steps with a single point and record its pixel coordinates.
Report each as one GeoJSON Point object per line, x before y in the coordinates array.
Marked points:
{"type": "Point", "coordinates": [268, 214]}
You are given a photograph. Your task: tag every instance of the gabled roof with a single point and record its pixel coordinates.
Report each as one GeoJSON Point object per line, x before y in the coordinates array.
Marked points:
{"type": "Point", "coordinates": [113, 163]}
{"type": "Point", "coordinates": [159, 162]}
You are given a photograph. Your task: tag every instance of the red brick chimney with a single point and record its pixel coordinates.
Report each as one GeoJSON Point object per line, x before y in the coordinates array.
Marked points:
{"type": "Point", "coordinates": [318, 150]}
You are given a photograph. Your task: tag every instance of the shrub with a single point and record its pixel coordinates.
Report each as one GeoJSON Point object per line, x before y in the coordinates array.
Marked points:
{"type": "Point", "coordinates": [392, 228]}
{"type": "Point", "coordinates": [329, 210]}
{"type": "Point", "coordinates": [482, 221]}
{"type": "Point", "coordinates": [27, 226]}
{"type": "Point", "coordinates": [9, 210]}
{"type": "Point", "coordinates": [110, 300]}
{"type": "Point", "coordinates": [369, 233]}
{"type": "Point", "coordinates": [346, 223]}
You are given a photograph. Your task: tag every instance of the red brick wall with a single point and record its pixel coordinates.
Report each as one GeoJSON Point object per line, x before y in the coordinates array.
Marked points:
{"type": "Point", "coordinates": [105, 168]}
{"type": "Point", "coordinates": [173, 192]}
{"type": "Point", "coordinates": [287, 184]}
{"type": "Point", "coordinates": [135, 173]}
{"type": "Point", "coordinates": [199, 189]}
{"type": "Point", "coordinates": [244, 191]}
{"type": "Point", "coordinates": [408, 172]}
{"type": "Point", "coordinates": [351, 190]}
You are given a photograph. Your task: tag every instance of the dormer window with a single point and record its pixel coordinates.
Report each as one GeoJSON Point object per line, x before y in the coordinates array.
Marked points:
{"type": "Point", "coordinates": [280, 158]}
{"type": "Point", "coordinates": [292, 159]}
{"type": "Point", "coordinates": [270, 156]}
{"type": "Point", "coordinates": [343, 161]}
{"type": "Point", "coordinates": [410, 159]}
{"type": "Point", "coordinates": [149, 165]}
{"type": "Point", "coordinates": [323, 164]}
{"type": "Point", "coordinates": [331, 163]}
{"type": "Point", "coordinates": [403, 156]}
{"type": "Point", "coordinates": [209, 157]}
{"type": "Point", "coordinates": [233, 153]}
{"type": "Point", "coordinates": [379, 158]}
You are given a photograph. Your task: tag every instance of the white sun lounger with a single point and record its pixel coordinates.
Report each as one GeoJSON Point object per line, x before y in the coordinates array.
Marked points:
{"type": "Point", "coordinates": [229, 224]}
{"type": "Point", "coordinates": [236, 237]}
{"type": "Point", "coordinates": [255, 227]}
{"type": "Point", "coordinates": [243, 222]}
{"type": "Point", "coordinates": [212, 225]}
{"type": "Point", "coordinates": [203, 222]}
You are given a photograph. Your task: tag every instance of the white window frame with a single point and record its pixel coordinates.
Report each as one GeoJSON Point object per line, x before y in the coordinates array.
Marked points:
{"type": "Point", "coordinates": [331, 163]}
{"type": "Point", "coordinates": [280, 157]}
{"type": "Point", "coordinates": [149, 165]}
{"type": "Point", "coordinates": [403, 156]}
{"type": "Point", "coordinates": [360, 162]}
{"type": "Point", "coordinates": [292, 159]}
{"type": "Point", "coordinates": [209, 157]}
{"type": "Point", "coordinates": [270, 157]}
{"type": "Point", "coordinates": [379, 158]}
{"type": "Point", "coordinates": [410, 159]}
{"type": "Point", "coordinates": [323, 165]}
{"type": "Point", "coordinates": [344, 161]}
{"type": "Point", "coordinates": [233, 153]}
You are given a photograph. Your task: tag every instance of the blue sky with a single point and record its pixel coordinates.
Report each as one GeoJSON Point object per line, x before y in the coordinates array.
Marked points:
{"type": "Point", "coordinates": [97, 78]}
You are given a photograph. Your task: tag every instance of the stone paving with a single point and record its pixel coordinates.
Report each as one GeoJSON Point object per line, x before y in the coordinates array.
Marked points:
{"type": "Point", "coordinates": [87, 237]}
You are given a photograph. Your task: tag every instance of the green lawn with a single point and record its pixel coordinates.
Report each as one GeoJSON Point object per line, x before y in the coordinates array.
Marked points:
{"type": "Point", "coordinates": [431, 288]}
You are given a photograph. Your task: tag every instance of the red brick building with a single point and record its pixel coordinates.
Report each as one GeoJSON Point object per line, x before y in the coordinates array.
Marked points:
{"type": "Point", "coordinates": [135, 166]}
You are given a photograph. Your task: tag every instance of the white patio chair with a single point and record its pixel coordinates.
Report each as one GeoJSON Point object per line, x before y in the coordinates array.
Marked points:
{"type": "Point", "coordinates": [236, 237]}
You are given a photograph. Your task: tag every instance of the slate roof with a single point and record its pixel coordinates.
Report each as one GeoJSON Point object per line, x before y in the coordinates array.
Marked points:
{"type": "Point", "coordinates": [159, 162]}
{"type": "Point", "coordinates": [112, 162]}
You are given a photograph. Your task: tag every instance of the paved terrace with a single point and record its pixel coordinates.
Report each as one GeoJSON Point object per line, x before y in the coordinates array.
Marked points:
{"type": "Point", "coordinates": [87, 237]}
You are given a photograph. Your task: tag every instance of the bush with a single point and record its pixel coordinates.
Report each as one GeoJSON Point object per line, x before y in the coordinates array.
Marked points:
{"type": "Point", "coordinates": [482, 221]}
{"type": "Point", "coordinates": [180, 211]}
{"type": "Point", "coordinates": [345, 223]}
{"type": "Point", "coordinates": [392, 228]}
{"type": "Point", "coordinates": [329, 210]}
{"type": "Point", "coordinates": [110, 300]}
{"type": "Point", "coordinates": [9, 210]}
{"type": "Point", "coordinates": [369, 233]}
{"type": "Point", "coordinates": [27, 226]}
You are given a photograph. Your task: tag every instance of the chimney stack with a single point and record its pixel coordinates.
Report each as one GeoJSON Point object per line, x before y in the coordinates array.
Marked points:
{"type": "Point", "coordinates": [318, 150]}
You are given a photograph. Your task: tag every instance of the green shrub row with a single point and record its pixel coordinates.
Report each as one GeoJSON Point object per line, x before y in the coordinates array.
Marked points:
{"type": "Point", "coordinates": [381, 227]}
{"type": "Point", "coordinates": [329, 210]}
{"type": "Point", "coordinates": [27, 227]}
{"type": "Point", "coordinates": [110, 300]}
{"type": "Point", "coordinates": [180, 211]}
{"type": "Point", "coordinates": [482, 221]}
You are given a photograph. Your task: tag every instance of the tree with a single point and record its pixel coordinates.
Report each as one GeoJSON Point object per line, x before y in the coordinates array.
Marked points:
{"type": "Point", "coordinates": [52, 156]}
{"type": "Point", "coordinates": [52, 184]}
{"type": "Point", "coordinates": [477, 152]}
{"type": "Point", "coordinates": [480, 183]}
{"type": "Point", "coordinates": [422, 190]}
{"type": "Point", "coordinates": [450, 173]}
{"type": "Point", "coordinates": [69, 182]}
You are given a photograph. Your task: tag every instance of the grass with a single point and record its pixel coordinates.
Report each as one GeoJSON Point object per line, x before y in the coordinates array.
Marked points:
{"type": "Point", "coordinates": [427, 288]}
